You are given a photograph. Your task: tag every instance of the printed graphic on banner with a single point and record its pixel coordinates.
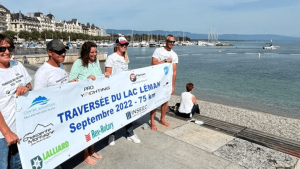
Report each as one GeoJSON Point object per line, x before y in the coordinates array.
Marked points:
{"type": "Point", "coordinates": [40, 133]}
{"type": "Point", "coordinates": [138, 78]}
{"type": "Point", "coordinates": [57, 122]}
{"type": "Point", "coordinates": [38, 106]}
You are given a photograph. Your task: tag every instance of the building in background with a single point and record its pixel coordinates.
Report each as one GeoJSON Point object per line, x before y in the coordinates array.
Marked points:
{"type": "Point", "coordinates": [37, 20]}
{"type": "Point", "coordinates": [4, 18]}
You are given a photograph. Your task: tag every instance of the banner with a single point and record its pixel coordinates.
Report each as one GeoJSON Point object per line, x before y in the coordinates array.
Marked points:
{"type": "Point", "coordinates": [56, 123]}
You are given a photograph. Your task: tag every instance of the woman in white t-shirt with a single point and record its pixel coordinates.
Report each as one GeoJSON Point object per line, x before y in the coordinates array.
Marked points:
{"type": "Point", "coordinates": [15, 81]}
{"type": "Point", "coordinates": [188, 102]}
{"type": "Point", "coordinates": [118, 62]}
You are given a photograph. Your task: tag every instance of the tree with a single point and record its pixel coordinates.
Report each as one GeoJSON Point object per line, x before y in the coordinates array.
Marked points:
{"type": "Point", "coordinates": [45, 34]}
{"type": "Point", "coordinates": [25, 35]}
{"type": "Point", "coordinates": [35, 35]}
{"type": "Point", "coordinates": [10, 34]}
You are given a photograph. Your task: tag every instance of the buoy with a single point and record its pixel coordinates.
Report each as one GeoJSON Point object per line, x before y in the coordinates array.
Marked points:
{"type": "Point", "coordinates": [219, 51]}
{"type": "Point", "coordinates": [258, 54]}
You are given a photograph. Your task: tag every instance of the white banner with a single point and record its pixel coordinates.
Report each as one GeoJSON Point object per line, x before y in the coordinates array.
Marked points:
{"type": "Point", "coordinates": [56, 123]}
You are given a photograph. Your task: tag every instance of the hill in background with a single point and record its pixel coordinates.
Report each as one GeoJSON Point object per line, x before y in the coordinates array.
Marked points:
{"type": "Point", "coordinates": [196, 36]}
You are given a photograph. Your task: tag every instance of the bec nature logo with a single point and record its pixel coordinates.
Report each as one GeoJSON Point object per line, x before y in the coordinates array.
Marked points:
{"type": "Point", "coordinates": [36, 162]}
{"type": "Point", "coordinates": [41, 100]}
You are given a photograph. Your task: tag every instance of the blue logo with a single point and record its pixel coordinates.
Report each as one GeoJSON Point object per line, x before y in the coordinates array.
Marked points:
{"type": "Point", "coordinates": [128, 115]}
{"type": "Point", "coordinates": [41, 100]}
{"type": "Point", "coordinates": [166, 69]}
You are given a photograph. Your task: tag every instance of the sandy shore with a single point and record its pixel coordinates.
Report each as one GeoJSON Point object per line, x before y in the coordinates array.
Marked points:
{"type": "Point", "coordinates": [272, 124]}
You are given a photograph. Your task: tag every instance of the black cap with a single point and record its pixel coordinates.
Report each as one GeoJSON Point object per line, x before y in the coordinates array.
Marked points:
{"type": "Point", "coordinates": [56, 45]}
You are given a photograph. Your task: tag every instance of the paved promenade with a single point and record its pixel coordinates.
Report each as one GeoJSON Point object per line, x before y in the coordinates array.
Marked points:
{"type": "Point", "coordinates": [183, 145]}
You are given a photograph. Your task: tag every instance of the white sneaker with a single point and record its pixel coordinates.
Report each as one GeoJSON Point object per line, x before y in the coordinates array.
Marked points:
{"type": "Point", "coordinates": [134, 139]}
{"type": "Point", "coordinates": [111, 140]}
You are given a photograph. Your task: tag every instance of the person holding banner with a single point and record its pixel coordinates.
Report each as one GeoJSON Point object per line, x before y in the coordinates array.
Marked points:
{"type": "Point", "coordinates": [87, 67]}
{"type": "Point", "coordinates": [117, 62]}
{"type": "Point", "coordinates": [52, 72]}
{"type": "Point", "coordinates": [15, 81]}
{"type": "Point", "coordinates": [164, 55]}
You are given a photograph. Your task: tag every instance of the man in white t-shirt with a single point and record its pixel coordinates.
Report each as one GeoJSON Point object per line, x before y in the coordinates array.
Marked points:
{"type": "Point", "coordinates": [52, 72]}
{"type": "Point", "coordinates": [165, 55]}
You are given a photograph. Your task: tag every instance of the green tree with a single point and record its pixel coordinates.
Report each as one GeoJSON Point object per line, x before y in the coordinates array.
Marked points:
{"type": "Point", "coordinates": [10, 34]}
{"type": "Point", "coordinates": [45, 34]}
{"type": "Point", "coordinates": [35, 35]}
{"type": "Point", "coordinates": [25, 35]}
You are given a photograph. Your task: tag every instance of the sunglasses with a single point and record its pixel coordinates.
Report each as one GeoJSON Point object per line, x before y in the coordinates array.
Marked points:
{"type": "Point", "coordinates": [126, 44]}
{"type": "Point", "coordinates": [59, 52]}
{"type": "Point", "coordinates": [169, 41]}
{"type": "Point", "coordinates": [3, 49]}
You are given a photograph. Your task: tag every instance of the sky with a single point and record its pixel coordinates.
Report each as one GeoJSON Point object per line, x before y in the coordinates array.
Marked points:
{"type": "Point", "coordinates": [280, 17]}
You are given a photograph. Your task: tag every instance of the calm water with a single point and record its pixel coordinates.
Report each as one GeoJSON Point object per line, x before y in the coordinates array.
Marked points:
{"type": "Point", "coordinates": [237, 75]}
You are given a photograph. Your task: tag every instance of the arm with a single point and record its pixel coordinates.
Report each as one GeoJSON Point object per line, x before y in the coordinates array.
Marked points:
{"type": "Point", "coordinates": [9, 136]}
{"type": "Point", "coordinates": [108, 71]}
{"type": "Point", "coordinates": [174, 77]}
{"type": "Point", "coordinates": [21, 90]}
{"type": "Point", "coordinates": [156, 62]}
{"type": "Point", "coordinates": [194, 100]}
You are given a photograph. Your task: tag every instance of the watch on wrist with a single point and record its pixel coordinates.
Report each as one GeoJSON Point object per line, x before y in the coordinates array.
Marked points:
{"type": "Point", "coordinates": [165, 60]}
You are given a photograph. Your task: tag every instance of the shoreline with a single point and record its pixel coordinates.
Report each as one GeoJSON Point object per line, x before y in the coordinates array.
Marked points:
{"type": "Point", "coordinates": [273, 124]}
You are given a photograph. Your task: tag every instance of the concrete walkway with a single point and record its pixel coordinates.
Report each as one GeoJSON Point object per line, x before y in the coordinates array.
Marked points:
{"type": "Point", "coordinates": [169, 147]}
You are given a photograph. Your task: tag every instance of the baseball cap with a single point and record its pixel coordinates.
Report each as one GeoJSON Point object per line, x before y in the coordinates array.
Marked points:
{"type": "Point", "coordinates": [56, 45]}
{"type": "Point", "coordinates": [121, 40]}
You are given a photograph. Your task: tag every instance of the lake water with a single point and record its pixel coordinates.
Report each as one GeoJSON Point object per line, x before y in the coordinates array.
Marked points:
{"type": "Point", "coordinates": [244, 75]}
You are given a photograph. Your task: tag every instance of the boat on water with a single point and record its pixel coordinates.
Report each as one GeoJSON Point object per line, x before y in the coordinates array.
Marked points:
{"type": "Point", "coordinates": [271, 47]}
{"type": "Point", "coordinates": [152, 44]}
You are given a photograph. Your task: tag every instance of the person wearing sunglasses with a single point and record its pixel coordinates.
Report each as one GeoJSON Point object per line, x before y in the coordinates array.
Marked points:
{"type": "Point", "coordinates": [15, 81]}
{"type": "Point", "coordinates": [52, 72]}
{"type": "Point", "coordinates": [118, 62]}
{"type": "Point", "coordinates": [87, 67]}
{"type": "Point", "coordinates": [164, 55]}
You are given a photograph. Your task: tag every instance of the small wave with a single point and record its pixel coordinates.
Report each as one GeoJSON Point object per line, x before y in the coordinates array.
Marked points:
{"type": "Point", "coordinates": [295, 54]}
{"type": "Point", "coordinates": [198, 54]}
{"type": "Point", "coordinates": [251, 53]}
{"type": "Point", "coordinates": [183, 55]}
{"type": "Point", "coordinates": [231, 53]}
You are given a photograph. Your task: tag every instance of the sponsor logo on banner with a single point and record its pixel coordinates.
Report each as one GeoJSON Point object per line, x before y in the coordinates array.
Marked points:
{"type": "Point", "coordinates": [88, 137]}
{"type": "Point", "coordinates": [41, 100]}
{"type": "Point", "coordinates": [89, 90]}
{"type": "Point", "coordinates": [38, 106]}
{"type": "Point", "coordinates": [102, 129]}
{"type": "Point", "coordinates": [136, 112]}
{"type": "Point", "coordinates": [40, 133]}
{"type": "Point", "coordinates": [36, 162]}
{"type": "Point", "coordinates": [55, 151]}
{"type": "Point", "coordinates": [132, 77]}
{"type": "Point", "coordinates": [166, 69]}
{"type": "Point", "coordinates": [137, 78]}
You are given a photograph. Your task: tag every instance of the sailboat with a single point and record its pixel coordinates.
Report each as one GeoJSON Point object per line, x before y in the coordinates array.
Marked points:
{"type": "Point", "coordinates": [212, 38]}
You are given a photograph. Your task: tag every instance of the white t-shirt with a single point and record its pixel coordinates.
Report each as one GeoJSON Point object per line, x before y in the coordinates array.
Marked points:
{"type": "Point", "coordinates": [116, 62]}
{"type": "Point", "coordinates": [48, 75]}
{"type": "Point", "coordinates": [10, 78]}
{"type": "Point", "coordinates": [186, 103]}
{"type": "Point", "coordinates": [162, 54]}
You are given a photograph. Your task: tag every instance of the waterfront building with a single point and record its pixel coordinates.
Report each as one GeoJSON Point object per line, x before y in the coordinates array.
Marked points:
{"type": "Point", "coordinates": [4, 18]}
{"type": "Point", "coordinates": [37, 20]}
